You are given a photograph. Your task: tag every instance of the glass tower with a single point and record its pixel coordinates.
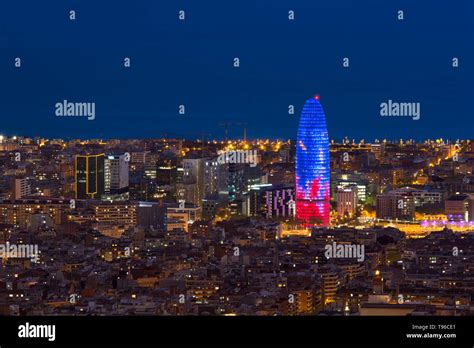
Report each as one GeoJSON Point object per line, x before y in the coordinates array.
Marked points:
{"type": "Point", "coordinates": [312, 166]}
{"type": "Point", "coordinates": [89, 176]}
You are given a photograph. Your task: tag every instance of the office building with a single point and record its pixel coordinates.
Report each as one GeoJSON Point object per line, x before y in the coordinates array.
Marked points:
{"type": "Point", "coordinates": [89, 172]}
{"type": "Point", "coordinates": [347, 199]}
{"type": "Point", "coordinates": [312, 166]}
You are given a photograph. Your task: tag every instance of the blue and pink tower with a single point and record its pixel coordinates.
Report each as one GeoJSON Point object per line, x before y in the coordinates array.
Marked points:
{"type": "Point", "coordinates": [312, 166]}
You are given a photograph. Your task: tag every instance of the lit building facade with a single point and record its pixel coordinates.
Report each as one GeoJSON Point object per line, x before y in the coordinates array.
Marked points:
{"type": "Point", "coordinates": [279, 202]}
{"type": "Point", "coordinates": [89, 171]}
{"type": "Point", "coordinates": [18, 212]}
{"type": "Point", "coordinates": [21, 188]}
{"type": "Point", "coordinates": [396, 205]}
{"type": "Point", "coordinates": [347, 200]}
{"type": "Point", "coordinates": [312, 166]}
{"type": "Point", "coordinates": [116, 178]}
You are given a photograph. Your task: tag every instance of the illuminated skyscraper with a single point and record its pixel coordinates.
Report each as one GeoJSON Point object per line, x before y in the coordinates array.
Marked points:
{"type": "Point", "coordinates": [115, 173]}
{"type": "Point", "coordinates": [312, 166]}
{"type": "Point", "coordinates": [89, 176]}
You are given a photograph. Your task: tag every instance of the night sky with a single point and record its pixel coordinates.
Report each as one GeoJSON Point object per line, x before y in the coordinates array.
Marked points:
{"type": "Point", "coordinates": [190, 62]}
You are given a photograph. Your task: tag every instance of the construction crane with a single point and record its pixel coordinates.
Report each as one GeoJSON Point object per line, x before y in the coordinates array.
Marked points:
{"type": "Point", "coordinates": [227, 124]}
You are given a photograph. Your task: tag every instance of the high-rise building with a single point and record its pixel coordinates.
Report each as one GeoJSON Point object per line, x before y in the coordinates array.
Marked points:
{"type": "Point", "coordinates": [21, 188]}
{"type": "Point", "coordinates": [180, 191]}
{"type": "Point", "coordinates": [340, 181]}
{"type": "Point", "coordinates": [223, 181]}
{"type": "Point", "coordinates": [279, 202]}
{"type": "Point", "coordinates": [347, 199]}
{"type": "Point", "coordinates": [138, 157]}
{"type": "Point", "coordinates": [116, 176]}
{"type": "Point", "coordinates": [211, 168]}
{"type": "Point", "coordinates": [166, 171]}
{"type": "Point", "coordinates": [89, 171]}
{"type": "Point", "coordinates": [253, 176]}
{"type": "Point", "coordinates": [378, 149]}
{"type": "Point", "coordinates": [193, 180]}
{"type": "Point", "coordinates": [235, 182]}
{"type": "Point", "coordinates": [151, 160]}
{"type": "Point", "coordinates": [312, 166]}
{"type": "Point", "coordinates": [189, 213]}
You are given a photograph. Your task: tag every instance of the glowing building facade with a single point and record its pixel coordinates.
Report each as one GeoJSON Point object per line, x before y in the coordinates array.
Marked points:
{"type": "Point", "coordinates": [89, 176]}
{"type": "Point", "coordinates": [312, 166]}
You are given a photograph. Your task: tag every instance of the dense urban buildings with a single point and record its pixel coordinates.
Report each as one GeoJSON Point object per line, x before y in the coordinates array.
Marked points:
{"type": "Point", "coordinates": [167, 227]}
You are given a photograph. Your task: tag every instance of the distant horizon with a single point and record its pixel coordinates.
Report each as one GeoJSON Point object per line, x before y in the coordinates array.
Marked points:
{"type": "Point", "coordinates": [336, 141]}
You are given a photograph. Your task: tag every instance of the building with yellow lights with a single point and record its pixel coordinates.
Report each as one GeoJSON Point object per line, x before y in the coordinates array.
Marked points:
{"type": "Point", "coordinates": [89, 176]}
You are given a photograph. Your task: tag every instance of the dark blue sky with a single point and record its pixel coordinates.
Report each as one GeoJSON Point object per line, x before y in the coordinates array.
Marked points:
{"type": "Point", "coordinates": [282, 62]}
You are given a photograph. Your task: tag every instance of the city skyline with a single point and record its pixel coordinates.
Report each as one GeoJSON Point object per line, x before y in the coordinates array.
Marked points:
{"type": "Point", "coordinates": [332, 141]}
{"type": "Point", "coordinates": [310, 161]}
{"type": "Point", "coordinates": [288, 165]}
